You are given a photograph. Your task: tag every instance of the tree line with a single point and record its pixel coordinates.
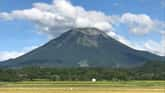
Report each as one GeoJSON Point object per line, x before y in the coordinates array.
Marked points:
{"type": "Point", "coordinates": [149, 71]}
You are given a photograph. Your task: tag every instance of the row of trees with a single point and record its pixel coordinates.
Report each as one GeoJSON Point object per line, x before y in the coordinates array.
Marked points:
{"type": "Point", "coordinates": [149, 71]}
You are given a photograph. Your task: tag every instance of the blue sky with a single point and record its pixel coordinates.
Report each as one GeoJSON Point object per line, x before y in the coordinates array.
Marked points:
{"type": "Point", "coordinates": [154, 8]}
{"type": "Point", "coordinates": [18, 34]}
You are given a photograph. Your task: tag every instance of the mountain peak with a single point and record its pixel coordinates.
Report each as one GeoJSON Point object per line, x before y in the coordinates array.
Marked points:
{"type": "Point", "coordinates": [89, 31]}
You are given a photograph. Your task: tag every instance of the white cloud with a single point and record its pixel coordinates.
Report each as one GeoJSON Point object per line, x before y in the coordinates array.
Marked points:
{"type": "Point", "coordinates": [126, 41]}
{"type": "Point", "coordinates": [142, 24]}
{"type": "Point", "coordinates": [155, 47]}
{"type": "Point", "coordinates": [56, 18]}
{"type": "Point", "coordinates": [138, 23]}
{"type": "Point", "coordinates": [5, 55]}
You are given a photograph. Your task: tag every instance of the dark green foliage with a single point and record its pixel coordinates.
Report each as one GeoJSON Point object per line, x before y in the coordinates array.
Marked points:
{"type": "Point", "coordinates": [149, 71]}
{"type": "Point", "coordinates": [9, 75]}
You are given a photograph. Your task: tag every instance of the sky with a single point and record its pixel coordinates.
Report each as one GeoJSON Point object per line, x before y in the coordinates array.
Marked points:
{"type": "Point", "coordinates": [28, 24]}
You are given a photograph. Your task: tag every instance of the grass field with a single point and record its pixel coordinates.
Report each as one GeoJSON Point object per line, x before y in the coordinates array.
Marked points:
{"type": "Point", "coordinates": [83, 87]}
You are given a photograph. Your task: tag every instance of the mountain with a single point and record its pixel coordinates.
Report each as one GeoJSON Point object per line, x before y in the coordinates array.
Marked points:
{"type": "Point", "coordinates": [83, 47]}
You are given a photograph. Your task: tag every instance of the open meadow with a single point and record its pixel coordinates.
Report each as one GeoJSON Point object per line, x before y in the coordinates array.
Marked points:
{"type": "Point", "coordinates": [83, 87]}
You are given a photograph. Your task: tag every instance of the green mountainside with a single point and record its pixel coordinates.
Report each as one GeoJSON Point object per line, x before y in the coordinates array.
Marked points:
{"type": "Point", "coordinates": [83, 47]}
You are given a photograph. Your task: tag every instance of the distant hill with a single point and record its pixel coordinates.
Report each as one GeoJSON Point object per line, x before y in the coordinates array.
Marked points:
{"type": "Point", "coordinates": [83, 47]}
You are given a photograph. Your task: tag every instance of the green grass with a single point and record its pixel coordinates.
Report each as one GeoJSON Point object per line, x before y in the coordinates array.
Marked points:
{"type": "Point", "coordinates": [44, 83]}
{"type": "Point", "coordinates": [44, 86]}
